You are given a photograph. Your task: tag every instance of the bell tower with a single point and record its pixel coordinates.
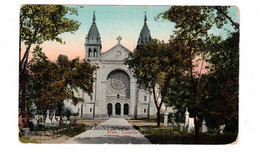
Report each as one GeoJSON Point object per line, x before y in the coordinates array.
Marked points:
{"type": "Point", "coordinates": [93, 41]}
{"type": "Point", "coordinates": [145, 35]}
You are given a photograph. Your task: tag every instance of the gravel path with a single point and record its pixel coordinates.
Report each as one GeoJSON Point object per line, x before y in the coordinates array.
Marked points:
{"type": "Point", "coordinates": [112, 131]}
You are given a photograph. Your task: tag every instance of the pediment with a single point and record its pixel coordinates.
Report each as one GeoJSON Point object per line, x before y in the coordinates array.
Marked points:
{"type": "Point", "coordinates": [118, 52]}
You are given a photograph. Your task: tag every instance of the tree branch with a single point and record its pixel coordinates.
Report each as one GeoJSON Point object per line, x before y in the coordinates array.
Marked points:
{"type": "Point", "coordinates": [201, 68]}
{"type": "Point", "coordinates": [227, 16]}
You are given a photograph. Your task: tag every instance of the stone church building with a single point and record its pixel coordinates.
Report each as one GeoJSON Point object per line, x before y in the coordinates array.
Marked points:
{"type": "Point", "coordinates": [115, 91]}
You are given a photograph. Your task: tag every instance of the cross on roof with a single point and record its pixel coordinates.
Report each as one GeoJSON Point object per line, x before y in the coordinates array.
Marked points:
{"type": "Point", "coordinates": [119, 39]}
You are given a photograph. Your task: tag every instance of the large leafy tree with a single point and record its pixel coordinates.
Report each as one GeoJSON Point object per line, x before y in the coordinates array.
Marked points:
{"type": "Point", "coordinates": [153, 65]}
{"type": "Point", "coordinates": [50, 83]}
{"type": "Point", "coordinates": [39, 23]}
{"type": "Point", "coordinates": [220, 88]}
{"type": "Point", "coordinates": [192, 26]}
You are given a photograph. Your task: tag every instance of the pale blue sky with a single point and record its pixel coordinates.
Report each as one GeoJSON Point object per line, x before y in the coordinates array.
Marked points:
{"type": "Point", "coordinates": [112, 21]}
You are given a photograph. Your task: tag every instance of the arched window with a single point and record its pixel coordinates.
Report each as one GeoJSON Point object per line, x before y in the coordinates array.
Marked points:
{"type": "Point", "coordinates": [118, 108]}
{"type": "Point", "coordinates": [126, 109]}
{"type": "Point", "coordinates": [95, 53]}
{"type": "Point", "coordinates": [89, 52]}
{"type": "Point", "coordinates": [109, 109]}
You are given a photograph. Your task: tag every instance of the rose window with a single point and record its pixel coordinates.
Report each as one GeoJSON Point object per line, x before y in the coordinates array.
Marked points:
{"type": "Point", "coordinates": [118, 80]}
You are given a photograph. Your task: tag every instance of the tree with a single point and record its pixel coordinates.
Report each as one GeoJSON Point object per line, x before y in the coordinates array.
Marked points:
{"type": "Point", "coordinates": [192, 26]}
{"type": "Point", "coordinates": [220, 86]}
{"type": "Point", "coordinates": [50, 83]}
{"type": "Point", "coordinates": [39, 23]}
{"type": "Point", "coordinates": [153, 65]}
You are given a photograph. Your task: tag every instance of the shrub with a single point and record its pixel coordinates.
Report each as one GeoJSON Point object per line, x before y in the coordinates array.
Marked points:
{"type": "Point", "coordinates": [26, 140]}
{"type": "Point", "coordinates": [73, 130]}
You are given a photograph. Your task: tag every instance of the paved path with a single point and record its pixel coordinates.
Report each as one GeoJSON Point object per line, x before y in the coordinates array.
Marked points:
{"type": "Point", "coordinates": [112, 131]}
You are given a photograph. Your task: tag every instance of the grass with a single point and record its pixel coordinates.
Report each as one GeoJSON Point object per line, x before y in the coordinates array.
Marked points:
{"type": "Point", "coordinates": [68, 130]}
{"type": "Point", "coordinates": [171, 135]}
{"type": "Point", "coordinates": [73, 130]}
{"type": "Point", "coordinates": [26, 140]}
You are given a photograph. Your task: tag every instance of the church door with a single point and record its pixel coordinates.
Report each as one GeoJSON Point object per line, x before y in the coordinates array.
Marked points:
{"type": "Point", "coordinates": [109, 109]}
{"type": "Point", "coordinates": [118, 108]}
{"type": "Point", "coordinates": [126, 108]}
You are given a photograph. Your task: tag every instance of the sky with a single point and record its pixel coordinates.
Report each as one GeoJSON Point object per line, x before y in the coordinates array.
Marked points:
{"type": "Point", "coordinates": [248, 100]}
{"type": "Point", "coordinates": [113, 21]}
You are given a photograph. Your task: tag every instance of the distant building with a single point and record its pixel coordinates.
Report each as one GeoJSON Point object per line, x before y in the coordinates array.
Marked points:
{"type": "Point", "coordinates": [61, 56]}
{"type": "Point", "coordinates": [115, 90]}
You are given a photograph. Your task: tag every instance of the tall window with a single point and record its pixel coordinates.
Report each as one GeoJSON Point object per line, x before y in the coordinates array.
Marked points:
{"type": "Point", "coordinates": [145, 98]}
{"type": "Point", "coordinates": [91, 97]}
{"type": "Point", "coordinates": [89, 52]}
{"type": "Point", "coordinates": [95, 53]}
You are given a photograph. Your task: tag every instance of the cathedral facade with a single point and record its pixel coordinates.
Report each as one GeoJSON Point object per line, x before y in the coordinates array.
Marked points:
{"type": "Point", "coordinates": [115, 92]}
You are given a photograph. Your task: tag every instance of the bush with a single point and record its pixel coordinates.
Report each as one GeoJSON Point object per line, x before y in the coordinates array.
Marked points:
{"type": "Point", "coordinates": [26, 140]}
{"type": "Point", "coordinates": [73, 130]}
{"type": "Point", "coordinates": [190, 139]}
{"type": "Point", "coordinates": [173, 135]}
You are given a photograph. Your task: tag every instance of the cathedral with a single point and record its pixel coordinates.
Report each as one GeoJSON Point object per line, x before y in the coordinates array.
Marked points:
{"type": "Point", "coordinates": [115, 91]}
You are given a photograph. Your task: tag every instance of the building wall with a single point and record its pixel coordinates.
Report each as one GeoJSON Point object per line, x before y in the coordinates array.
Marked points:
{"type": "Point", "coordinates": [140, 102]}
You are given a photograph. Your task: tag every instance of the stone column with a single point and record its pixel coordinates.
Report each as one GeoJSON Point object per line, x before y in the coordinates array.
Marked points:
{"type": "Point", "coordinates": [101, 96]}
{"type": "Point", "coordinates": [113, 109]}
{"type": "Point", "coordinates": [133, 97]}
{"type": "Point", "coordinates": [122, 110]}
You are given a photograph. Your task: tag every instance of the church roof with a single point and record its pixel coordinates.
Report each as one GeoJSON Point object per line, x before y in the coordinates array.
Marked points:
{"type": "Point", "coordinates": [93, 31]}
{"type": "Point", "coordinates": [145, 34]}
{"type": "Point", "coordinates": [117, 45]}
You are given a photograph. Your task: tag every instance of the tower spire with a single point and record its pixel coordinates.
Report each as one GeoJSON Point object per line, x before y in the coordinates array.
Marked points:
{"type": "Point", "coordinates": [94, 18]}
{"type": "Point", "coordinates": [93, 41]}
{"type": "Point", "coordinates": [145, 35]}
{"type": "Point", "coordinates": [145, 18]}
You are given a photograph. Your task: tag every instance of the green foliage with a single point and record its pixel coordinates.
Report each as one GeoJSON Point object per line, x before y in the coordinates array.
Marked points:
{"type": "Point", "coordinates": [74, 130]}
{"type": "Point", "coordinates": [154, 64]}
{"type": "Point", "coordinates": [189, 139]}
{"type": "Point", "coordinates": [213, 95]}
{"type": "Point", "coordinates": [173, 135]}
{"type": "Point", "coordinates": [39, 23]}
{"type": "Point", "coordinates": [220, 88]}
{"type": "Point", "coordinates": [68, 130]}
{"type": "Point", "coordinates": [26, 140]}
{"type": "Point", "coordinates": [148, 63]}
{"type": "Point", "coordinates": [50, 83]}
{"type": "Point", "coordinates": [179, 94]}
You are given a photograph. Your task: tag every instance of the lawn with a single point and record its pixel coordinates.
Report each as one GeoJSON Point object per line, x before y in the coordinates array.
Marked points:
{"type": "Point", "coordinates": [172, 135]}
{"type": "Point", "coordinates": [60, 134]}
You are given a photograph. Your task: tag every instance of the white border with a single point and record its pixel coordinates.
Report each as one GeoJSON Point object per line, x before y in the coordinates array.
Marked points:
{"type": "Point", "coordinates": [249, 96]}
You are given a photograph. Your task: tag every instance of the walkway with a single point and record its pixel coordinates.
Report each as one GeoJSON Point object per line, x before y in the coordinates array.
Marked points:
{"type": "Point", "coordinates": [113, 131]}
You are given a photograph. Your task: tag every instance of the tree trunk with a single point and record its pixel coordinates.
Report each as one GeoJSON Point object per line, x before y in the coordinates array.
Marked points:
{"type": "Point", "coordinates": [23, 79]}
{"type": "Point", "coordinates": [197, 128]}
{"type": "Point", "coordinates": [158, 117]}
{"type": "Point", "coordinates": [60, 113]}
{"type": "Point", "coordinates": [158, 106]}
{"type": "Point", "coordinates": [194, 90]}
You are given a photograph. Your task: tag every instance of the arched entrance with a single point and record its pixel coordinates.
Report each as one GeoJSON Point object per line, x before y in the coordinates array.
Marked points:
{"type": "Point", "coordinates": [109, 109]}
{"type": "Point", "coordinates": [118, 108]}
{"type": "Point", "coordinates": [126, 109]}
